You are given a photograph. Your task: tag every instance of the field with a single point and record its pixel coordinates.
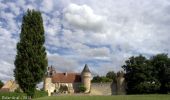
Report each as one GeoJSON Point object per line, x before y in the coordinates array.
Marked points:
{"type": "Point", "coordinates": [20, 96]}
{"type": "Point", "coordinates": [120, 97]}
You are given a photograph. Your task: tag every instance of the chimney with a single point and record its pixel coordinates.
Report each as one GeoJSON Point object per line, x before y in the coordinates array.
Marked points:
{"type": "Point", "coordinates": [65, 73]}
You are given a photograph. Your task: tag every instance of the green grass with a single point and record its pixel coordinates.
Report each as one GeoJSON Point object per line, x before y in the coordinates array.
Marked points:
{"type": "Point", "coordinates": [20, 96]}
{"type": "Point", "coordinates": [118, 97]}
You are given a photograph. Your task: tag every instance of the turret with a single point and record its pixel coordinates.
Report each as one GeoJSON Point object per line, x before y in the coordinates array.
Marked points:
{"type": "Point", "coordinates": [48, 79]}
{"type": "Point", "coordinates": [120, 83]}
{"type": "Point", "coordinates": [86, 78]}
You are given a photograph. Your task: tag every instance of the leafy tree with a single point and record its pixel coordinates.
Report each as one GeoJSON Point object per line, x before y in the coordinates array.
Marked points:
{"type": "Point", "coordinates": [96, 79]}
{"type": "Point", "coordinates": [1, 83]}
{"type": "Point", "coordinates": [111, 75]}
{"type": "Point", "coordinates": [31, 60]}
{"type": "Point", "coordinates": [101, 79]}
{"type": "Point", "coordinates": [161, 71]}
{"type": "Point", "coordinates": [138, 75]}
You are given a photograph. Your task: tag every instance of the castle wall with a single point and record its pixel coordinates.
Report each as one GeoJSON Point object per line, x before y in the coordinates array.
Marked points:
{"type": "Point", "coordinates": [103, 88]}
{"type": "Point", "coordinates": [76, 87]}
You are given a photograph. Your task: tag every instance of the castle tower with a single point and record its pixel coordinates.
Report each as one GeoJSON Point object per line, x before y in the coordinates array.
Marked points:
{"type": "Point", "coordinates": [120, 86]}
{"type": "Point", "coordinates": [86, 78]}
{"type": "Point", "coordinates": [48, 80]}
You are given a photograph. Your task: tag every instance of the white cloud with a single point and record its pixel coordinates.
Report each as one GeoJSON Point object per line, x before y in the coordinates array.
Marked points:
{"type": "Point", "coordinates": [83, 17]}
{"type": "Point", "coordinates": [62, 63]}
{"type": "Point", "coordinates": [115, 29]}
{"type": "Point", "coordinates": [47, 6]}
{"type": "Point", "coordinates": [6, 71]}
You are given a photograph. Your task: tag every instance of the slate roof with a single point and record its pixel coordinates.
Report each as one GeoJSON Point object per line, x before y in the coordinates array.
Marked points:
{"type": "Point", "coordinates": [86, 68]}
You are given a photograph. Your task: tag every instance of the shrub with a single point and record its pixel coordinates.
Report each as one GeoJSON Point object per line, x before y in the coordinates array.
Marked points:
{"type": "Point", "coordinates": [18, 90]}
{"type": "Point", "coordinates": [148, 87]}
{"type": "Point", "coordinates": [39, 93]}
{"type": "Point", "coordinates": [82, 88]}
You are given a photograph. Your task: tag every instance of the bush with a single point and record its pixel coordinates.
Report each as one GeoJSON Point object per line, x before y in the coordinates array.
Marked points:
{"type": "Point", "coordinates": [101, 79]}
{"type": "Point", "coordinates": [82, 88]}
{"type": "Point", "coordinates": [167, 85]}
{"type": "Point", "coordinates": [39, 93]}
{"type": "Point", "coordinates": [18, 90]}
{"type": "Point", "coordinates": [148, 87]}
{"type": "Point", "coordinates": [1, 84]}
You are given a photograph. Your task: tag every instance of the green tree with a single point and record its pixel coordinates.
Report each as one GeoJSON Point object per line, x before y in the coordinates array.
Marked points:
{"type": "Point", "coordinates": [138, 76]}
{"type": "Point", "coordinates": [101, 79]}
{"type": "Point", "coordinates": [1, 83]}
{"type": "Point", "coordinates": [31, 60]}
{"type": "Point", "coordinates": [111, 75]}
{"type": "Point", "coordinates": [161, 71]}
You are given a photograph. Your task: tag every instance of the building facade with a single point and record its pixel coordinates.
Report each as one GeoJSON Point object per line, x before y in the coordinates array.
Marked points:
{"type": "Point", "coordinates": [67, 82]}
{"type": "Point", "coordinates": [70, 83]}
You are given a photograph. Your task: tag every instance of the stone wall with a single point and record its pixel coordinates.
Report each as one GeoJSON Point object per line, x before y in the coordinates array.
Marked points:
{"type": "Point", "coordinates": [103, 89]}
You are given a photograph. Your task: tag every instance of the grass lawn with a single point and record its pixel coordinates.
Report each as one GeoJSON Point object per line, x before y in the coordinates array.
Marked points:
{"type": "Point", "coordinates": [20, 96]}
{"type": "Point", "coordinates": [118, 97]}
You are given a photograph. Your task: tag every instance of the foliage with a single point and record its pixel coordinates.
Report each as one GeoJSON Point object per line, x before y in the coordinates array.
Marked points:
{"type": "Point", "coordinates": [148, 87]}
{"type": "Point", "coordinates": [161, 71]}
{"type": "Point", "coordinates": [1, 83]}
{"type": "Point", "coordinates": [31, 60]}
{"type": "Point", "coordinates": [147, 75]}
{"type": "Point", "coordinates": [137, 71]}
{"type": "Point", "coordinates": [101, 79]}
{"type": "Point", "coordinates": [111, 75]}
{"type": "Point", "coordinates": [39, 93]}
{"type": "Point", "coordinates": [21, 95]}
{"type": "Point", "coordinates": [82, 88]}
{"type": "Point", "coordinates": [18, 90]}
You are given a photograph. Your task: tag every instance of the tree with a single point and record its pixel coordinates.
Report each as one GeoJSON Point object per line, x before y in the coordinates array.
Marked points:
{"type": "Point", "coordinates": [138, 76]}
{"type": "Point", "coordinates": [161, 71]}
{"type": "Point", "coordinates": [101, 79]}
{"type": "Point", "coordinates": [1, 83]}
{"type": "Point", "coordinates": [111, 75]}
{"type": "Point", "coordinates": [31, 61]}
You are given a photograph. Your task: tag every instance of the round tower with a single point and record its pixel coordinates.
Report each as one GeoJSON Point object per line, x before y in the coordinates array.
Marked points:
{"type": "Point", "coordinates": [47, 82]}
{"type": "Point", "coordinates": [86, 78]}
{"type": "Point", "coordinates": [120, 83]}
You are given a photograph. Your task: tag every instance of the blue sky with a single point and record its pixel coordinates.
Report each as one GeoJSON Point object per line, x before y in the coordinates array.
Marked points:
{"type": "Point", "coordinates": [102, 33]}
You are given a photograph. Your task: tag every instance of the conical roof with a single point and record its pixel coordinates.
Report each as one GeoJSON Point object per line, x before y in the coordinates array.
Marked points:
{"type": "Point", "coordinates": [86, 68]}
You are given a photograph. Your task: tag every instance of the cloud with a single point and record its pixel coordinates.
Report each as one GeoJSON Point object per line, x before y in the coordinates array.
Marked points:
{"type": "Point", "coordinates": [47, 5]}
{"type": "Point", "coordinates": [61, 63]}
{"type": "Point", "coordinates": [83, 17]}
{"type": "Point", "coordinates": [102, 34]}
{"type": "Point", "coordinates": [6, 71]}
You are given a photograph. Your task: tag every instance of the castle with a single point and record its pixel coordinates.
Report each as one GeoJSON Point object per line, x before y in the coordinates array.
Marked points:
{"type": "Point", "coordinates": [69, 82]}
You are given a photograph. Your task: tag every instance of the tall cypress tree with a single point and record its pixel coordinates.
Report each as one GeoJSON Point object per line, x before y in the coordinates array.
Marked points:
{"type": "Point", "coordinates": [31, 60]}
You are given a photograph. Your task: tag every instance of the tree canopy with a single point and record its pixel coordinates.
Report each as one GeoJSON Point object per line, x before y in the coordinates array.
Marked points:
{"type": "Point", "coordinates": [31, 60]}
{"type": "Point", "coordinates": [1, 84]}
{"type": "Point", "coordinates": [147, 75]}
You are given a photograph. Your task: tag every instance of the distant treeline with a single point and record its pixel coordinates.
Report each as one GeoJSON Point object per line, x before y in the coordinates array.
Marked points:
{"type": "Point", "coordinates": [109, 77]}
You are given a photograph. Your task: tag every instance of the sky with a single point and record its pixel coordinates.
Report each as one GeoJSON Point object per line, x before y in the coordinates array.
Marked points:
{"type": "Point", "coordinates": [100, 33]}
